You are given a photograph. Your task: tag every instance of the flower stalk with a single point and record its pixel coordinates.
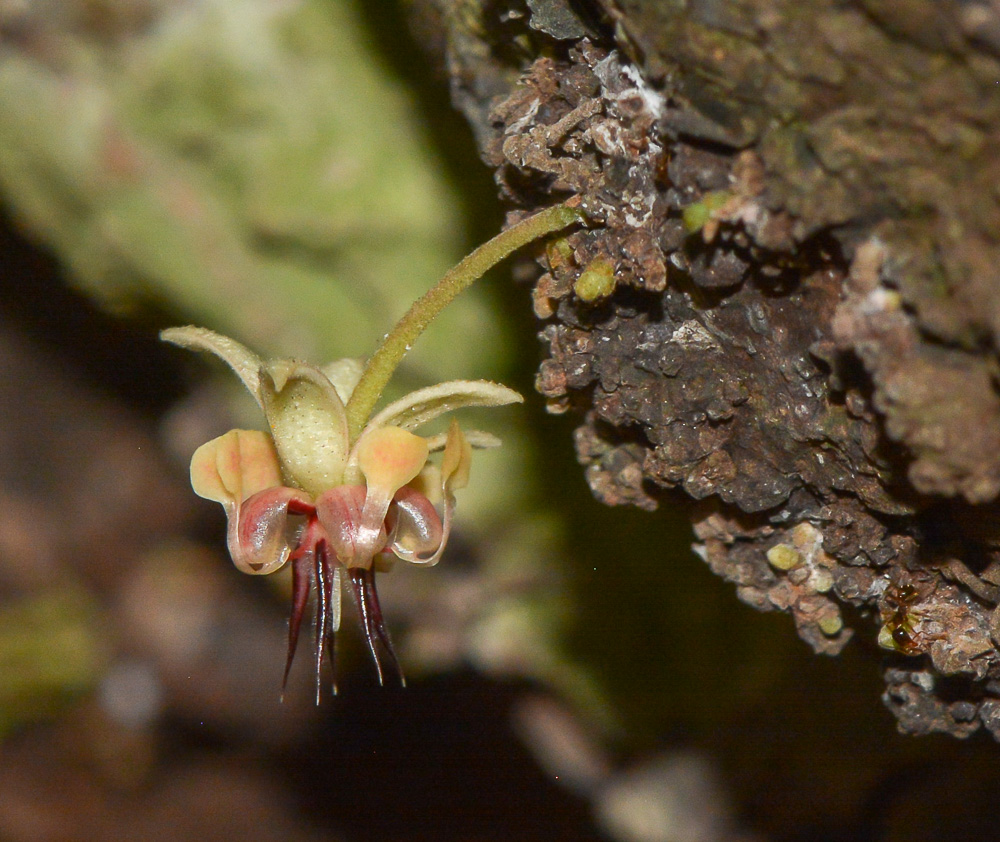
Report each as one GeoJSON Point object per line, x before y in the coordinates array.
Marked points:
{"type": "Point", "coordinates": [332, 489]}
{"type": "Point", "coordinates": [381, 365]}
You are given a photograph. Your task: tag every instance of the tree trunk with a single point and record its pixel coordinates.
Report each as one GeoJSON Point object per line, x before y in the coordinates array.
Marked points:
{"type": "Point", "coordinates": [786, 304]}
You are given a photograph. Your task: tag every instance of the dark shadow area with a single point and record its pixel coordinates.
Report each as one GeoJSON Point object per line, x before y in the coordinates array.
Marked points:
{"type": "Point", "coordinates": [437, 761]}
{"type": "Point", "coordinates": [121, 358]}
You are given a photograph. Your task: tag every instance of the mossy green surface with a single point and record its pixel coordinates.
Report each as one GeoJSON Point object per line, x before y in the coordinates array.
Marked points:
{"type": "Point", "coordinates": [596, 281]}
{"type": "Point", "coordinates": [250, 167]}
{"type": "Point", "coordinates": [695, 216]}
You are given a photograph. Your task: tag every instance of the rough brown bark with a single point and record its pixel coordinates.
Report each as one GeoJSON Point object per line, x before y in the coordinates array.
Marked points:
{"type": "Point", "coordinates": [798, 206]}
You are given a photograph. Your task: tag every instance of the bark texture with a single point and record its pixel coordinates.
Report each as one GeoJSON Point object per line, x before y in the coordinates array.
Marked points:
{"type": "Point", "coordinates": [787, 303]}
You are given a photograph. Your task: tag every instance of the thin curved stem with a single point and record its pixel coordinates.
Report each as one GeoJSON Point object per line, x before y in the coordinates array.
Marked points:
{"type": "Point", "coordinates": [400, 339]}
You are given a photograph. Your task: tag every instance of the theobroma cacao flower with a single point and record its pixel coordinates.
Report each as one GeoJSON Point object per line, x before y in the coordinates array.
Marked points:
{"type": "Point", "coordinates": [303, 494]}
{"type": "Point", "coordinates": [335, 489]}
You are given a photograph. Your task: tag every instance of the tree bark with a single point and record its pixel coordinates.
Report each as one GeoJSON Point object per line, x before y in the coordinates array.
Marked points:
{"type": "Point", "coordinates": [786, 306]}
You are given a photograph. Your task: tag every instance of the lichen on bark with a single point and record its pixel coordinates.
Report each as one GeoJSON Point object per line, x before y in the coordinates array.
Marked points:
{"type": "Point", "coordinates": [801, 331]}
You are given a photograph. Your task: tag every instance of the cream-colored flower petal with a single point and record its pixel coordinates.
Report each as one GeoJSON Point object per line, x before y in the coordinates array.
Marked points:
{"type": "Point", "coordinates": [454, 475]}
{"type": "Point", "coordinates": [240, 470]}
{"type": "Point", "coordinates": [344, 375]}
{"type": "Point", "coordinates": [234, 466]}
{"type": "Point", "coordinates": [424, 405]}
{"type": "Point", "coordinates": [428, 482]}
{"type": "Point", "coordinates": [389, 457]}
{"type": "Point", "coordinates": [456, 461]}
{"type": "Point", "coordinates": [239, 358]}
{"type": "Point", "coordinates": [308, 424]}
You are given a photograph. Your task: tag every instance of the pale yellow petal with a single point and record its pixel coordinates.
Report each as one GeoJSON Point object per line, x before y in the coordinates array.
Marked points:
{"type": "Point", "coordinates": [234, 466]}
{"type": "Point", "coordinates": [389, 457]}
{"type": "Point", "coordinates": [454, 475]}
{"type": "Point", "coordinates": [456, 461]}
{"type": "Point", "coordinates": [428, 482]}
